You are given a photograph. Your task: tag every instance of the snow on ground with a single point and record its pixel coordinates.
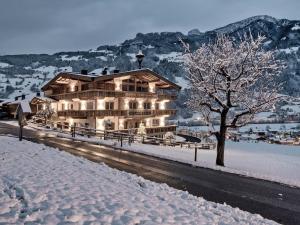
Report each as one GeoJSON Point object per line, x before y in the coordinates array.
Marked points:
{"type": "Point", "coordinates": [46, 69]}
{"type": "Point", "coordinates": [4, 65]}
{"type": "Point", "coordinates": [72, 58]}
{"type": "Point", "coordinates": [257, 127]}
{"type": "Point", "coordinates": [263, 116]}
{"type": "Point", "coordinates": [132, 56]}
{"type": "Point", "coordinates": [66, 69]}
{"type": "Point", "coordinates": [184, 83]}
{"type": "Point", "coordinates": [41, 185]}
{"type": "Point", "coordinates": [296, 27]}
{"type": "Point", "coordinates": [293, 109]}
{"type": "Point", "coordinates": [103, 58]}
{"type": "Point", "coordinates": [171, 57]}
{"type": "Point", "coordinates": [289, 50]}
{"type": "Point", "coordinates": [279, 163]}
{"type": "Point", "coordinates": [261, 160]}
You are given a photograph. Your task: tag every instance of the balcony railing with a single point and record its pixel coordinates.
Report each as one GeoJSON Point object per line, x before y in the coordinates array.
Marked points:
{"type": "Point", "coordinates": [89, 94]}
{"type": "Point", "coordinates": [153, 130]}
{"type": "Point", "coordinates": [125, 113]}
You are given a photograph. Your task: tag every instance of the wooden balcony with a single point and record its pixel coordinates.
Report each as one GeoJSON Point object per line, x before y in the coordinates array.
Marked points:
{"type": "Point", "coordinates": [125, 113]}
{"type": "Point", "coordinates": [149, 112]}
{"type": "Point", "coordinates": [91, 94]}
{"type": "Point", "coordinates": [150, 95]}
{"type": "Point", "coordinates": [88, 94]}
{"type": "Point", "coordinates": [153, 130]}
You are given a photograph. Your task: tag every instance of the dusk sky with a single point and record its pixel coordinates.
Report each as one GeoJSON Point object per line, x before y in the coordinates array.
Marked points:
{"type": "Point", "coordinates": [43, 26]}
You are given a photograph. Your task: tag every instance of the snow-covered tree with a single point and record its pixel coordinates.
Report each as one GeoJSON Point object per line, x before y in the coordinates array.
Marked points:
{"type": "Point", "coordinates": [142, 130]}
{"type": "Point", "coordinates": [231, 80]}
{"type": "Point", "coordinates": [47, 113]}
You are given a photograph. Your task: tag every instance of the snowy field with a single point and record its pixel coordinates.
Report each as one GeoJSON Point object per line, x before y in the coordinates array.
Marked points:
{"type": "Point", "coordinates": [278, 163]}
{"type": "Point", "coordinates": [256, 127]}
{"type": "Point", "coordinates": [41, 185]}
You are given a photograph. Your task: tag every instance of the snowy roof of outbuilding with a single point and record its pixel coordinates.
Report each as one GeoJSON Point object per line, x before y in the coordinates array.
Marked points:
{"type": "Point", "coordinates": [28, 98]}
{"type": "Point", "coordinates": [25, 106]}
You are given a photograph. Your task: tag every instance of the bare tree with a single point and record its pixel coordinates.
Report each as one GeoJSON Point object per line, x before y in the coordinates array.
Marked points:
{"type": "Point", "coordinates": [231, 81]}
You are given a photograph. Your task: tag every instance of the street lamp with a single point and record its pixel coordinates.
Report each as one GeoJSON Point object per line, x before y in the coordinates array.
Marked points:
{"type": "Point", "coordinates": [140, 56]}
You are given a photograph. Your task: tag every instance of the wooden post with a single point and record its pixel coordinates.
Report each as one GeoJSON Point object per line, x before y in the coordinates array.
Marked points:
{"type": "Point", "coordinates": [195, 154]}
{"type": "Point", "coordinates": [21, 121]}
{"type": "Point", "coordinates": [20, 132]}
{"type": "Point", "coordinates": [121, 140]}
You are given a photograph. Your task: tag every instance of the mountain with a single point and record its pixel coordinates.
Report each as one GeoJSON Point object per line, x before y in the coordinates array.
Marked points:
{"type": "Point", "coordinates": [163, 53]}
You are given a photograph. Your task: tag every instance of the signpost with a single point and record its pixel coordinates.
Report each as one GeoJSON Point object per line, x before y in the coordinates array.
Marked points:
{"type": "Point", "coordinates": [22, 122]}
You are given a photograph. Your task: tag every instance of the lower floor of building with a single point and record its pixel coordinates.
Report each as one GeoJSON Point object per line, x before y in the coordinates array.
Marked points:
{"type": "Point", "coordinates": [154, 126]}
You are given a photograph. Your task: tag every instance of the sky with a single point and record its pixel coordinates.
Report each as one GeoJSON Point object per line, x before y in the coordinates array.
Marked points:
{"type": "Point", "coordinates": [49, 26]}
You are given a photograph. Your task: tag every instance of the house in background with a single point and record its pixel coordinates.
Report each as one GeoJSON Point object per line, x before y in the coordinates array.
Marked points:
{"type": "Point", "coordinates": [118, 101]}
{"type": "Point", "coordinates": [31, 104]}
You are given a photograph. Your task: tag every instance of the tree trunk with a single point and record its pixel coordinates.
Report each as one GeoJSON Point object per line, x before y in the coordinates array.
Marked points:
{"type": "Point", "coordinates": [221, 140]}
{"type": "Point", "coordinates": [220, 149]}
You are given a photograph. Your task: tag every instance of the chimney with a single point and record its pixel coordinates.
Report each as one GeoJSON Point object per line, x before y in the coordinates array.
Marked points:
{"type": "Point", "coordinates": [16, 98]}
{"type": "Point", "coordinates": [116, 71]}
{"type": "Point", "coordinates": [23, 96]}
{"type": "Point", "coordinates": [104, 72]}
{"type": "Point", "coordinates": [38, 94]}
{"type": "Point", "coordinates": [84, 72]}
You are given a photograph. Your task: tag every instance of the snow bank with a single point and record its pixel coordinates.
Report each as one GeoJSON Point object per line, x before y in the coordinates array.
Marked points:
{"type": "Point", "coordinates": [279, 163]}
{"type": "Point", "coordinates": [42, 185]}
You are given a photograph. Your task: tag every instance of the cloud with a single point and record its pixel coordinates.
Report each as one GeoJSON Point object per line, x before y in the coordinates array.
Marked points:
{"type": "Point", "coordinates": [41, 26]}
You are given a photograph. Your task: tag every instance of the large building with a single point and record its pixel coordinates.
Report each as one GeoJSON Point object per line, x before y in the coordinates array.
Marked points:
{"type": "Point", "coordinates": [118, 101]}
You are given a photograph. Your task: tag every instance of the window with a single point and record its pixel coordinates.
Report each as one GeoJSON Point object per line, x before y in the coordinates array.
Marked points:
{"type": "Point", "coordinates": [156, 105]}
{"type": "Point", "coordinates": [105, 86]}
{"type": "Point", "coordinates": [155, 122]}
{"type": "Point", "coordinates": [131, 88]}
{"type": "Point", "coordinates": [124, 87]}
{"type": "Point", "coordinates": [109, 105]}
{"type": "Point", "coordinates": [142, 86]}
{"type": "Point", "coordinates": [63, 106]}
{"type": "Point", "coordinates": [76, 88]}
{"type": "Point", "coordinates": [127, 87]}
{"type": "Point", "coordinates": [71, 106]}
{"type": "Point", "coordinates": [84, 87]}
{"type": "Point", "coordinates": [133, 105]}
{"type": "Point", "coordinates": [147, 105]}
{"type": "Point", "coordinates": [89, 105]}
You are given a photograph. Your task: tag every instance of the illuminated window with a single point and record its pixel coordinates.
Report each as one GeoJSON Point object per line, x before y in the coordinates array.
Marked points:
{"type": "Point", "coordinates": [109, 105]}
{"type": "Point", "coordinates": [133, 105]}
{"type": "Point", "coordinates": [155, 122]}
{"type": "Point", "coordinates": [147, 105]}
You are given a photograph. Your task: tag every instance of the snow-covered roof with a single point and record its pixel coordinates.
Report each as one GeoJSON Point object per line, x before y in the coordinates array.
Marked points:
{"type": "Point", "coordinates": [25, 106]}
{"type": "Point", "coordinates": [146, 73]}
{"type": "Point", "coordinates": [28, 98]}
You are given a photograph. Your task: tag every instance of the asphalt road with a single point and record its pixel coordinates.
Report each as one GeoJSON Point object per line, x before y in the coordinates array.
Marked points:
{"type": "Point", "coordinates": [275, 201]}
